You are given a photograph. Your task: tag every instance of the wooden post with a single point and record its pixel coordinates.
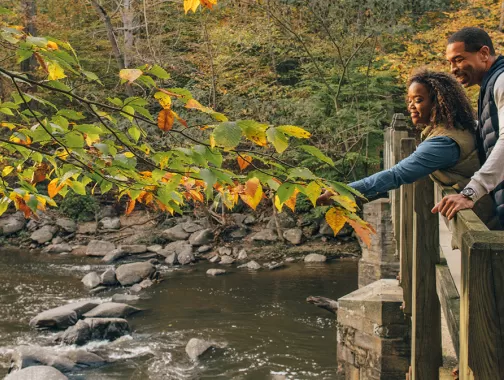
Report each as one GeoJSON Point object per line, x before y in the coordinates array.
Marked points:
{"type": "Point", "coordinates": [406, 231]}
{"type": "Point", "coordinates": [482, 306]}
{"type": "Point", "coordinates": [426, 355]}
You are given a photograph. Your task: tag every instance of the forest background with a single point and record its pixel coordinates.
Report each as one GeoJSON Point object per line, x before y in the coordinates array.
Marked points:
{"type": "Point", "coordinates": [336, 68]}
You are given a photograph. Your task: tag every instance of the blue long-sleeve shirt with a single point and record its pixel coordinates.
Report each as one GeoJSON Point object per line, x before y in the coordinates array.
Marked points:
{"type": "Point", "coordinates": [436, 153]}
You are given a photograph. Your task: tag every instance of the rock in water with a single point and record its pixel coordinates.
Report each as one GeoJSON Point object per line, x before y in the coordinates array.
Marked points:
{"type": "Point", "coordinates": [134, 248]}
{"type": "Point", "coordinates": [226, 260]}
{"type": "Point", "coordinates": [202, 237]}
{"type": "Point", "coordinates": [125, 298]}
{"type": "Point", "coordinates": [171, 259]}
{"type": "Point", "coordinates": [293, 235]}
{"type": "Point", "coordinates": [315, 258]}
{"type": "Point", "coordinates": [58, 248]}
{"type": "Point", "coordinates": [44, 234]}
{"type": "Point", "coordinates": [215, 272]}
{"type": "Point", "coordinates": [242, 255]}
{"type": "Point", "coordinates": [197, 347]}
{"type": "Point", "coordinates": [90, 329]}
{"type": "Point", "coordinates": [99, 248]}
{"type": "Point", "coordinates": [252, 265]}
{"type": "Point", "coordinates": [186, 256]}
{"type": "Point", "coordinates": [91, 280]}
{"type": "Point", "coordinates": [175, 233]}
{"type": "Point", "coordinates": [63, 316]}
{"type": "Point", "coordinates": [129, 274]}
{"type": "Point", "coordinates": [39, 372]}
{"type": "Point", "coordinates": [111, 310]}
{"type": "Point", "coordinates": [114, 255]}
{"type": "Point", "coordinates": [109, 277]}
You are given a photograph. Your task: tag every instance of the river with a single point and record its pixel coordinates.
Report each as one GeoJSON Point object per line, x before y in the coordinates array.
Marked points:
{"type": "Point", "coordinates": [261, 316]}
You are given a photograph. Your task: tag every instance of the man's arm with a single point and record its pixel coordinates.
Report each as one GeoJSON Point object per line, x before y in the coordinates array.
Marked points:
{"type": "Point", "coordinates": [491, 173]}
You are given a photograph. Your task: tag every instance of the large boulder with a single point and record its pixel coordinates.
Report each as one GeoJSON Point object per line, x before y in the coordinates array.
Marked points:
{"type": "Point", "coordinates": [90, 329]}
{"type": "Point", "coordinates": [175, 233]}
{"type": "Point", "coordinates": [111, 310]}
{"type": "Point", "coordinates": [44, 234]}
{"type": "Point", "coordinates": [66, 224]}
{"type": "Point", "coordinates": [108, 223]}
{"type": "Point", "coordinates": [12, 223]}
{"type": "Point", "coordinates": [40, 372]}
{"type": "Point", "coordinates": [28, 356]}
{"type": "Point", "coordinates": [99, 247]}
{"type": "Point", "coordinates": [114, 255]}
{"type": "Point", "coordinates": [91, 280]}
{"type": "Point", "coordinates": [315, 258]}
{"type": "Point", "coordinates": [63, 316]}
{"type": "Point", "coordinates": [186, 256]}
{"type": "Point", "coordinates": [252, 265]}
{"type": "Point", "coordinates": [197, 347]}
{"type": "Point", "coordinates": [202, 237]}
{"type": "Point", "coordinates": [129, 274]}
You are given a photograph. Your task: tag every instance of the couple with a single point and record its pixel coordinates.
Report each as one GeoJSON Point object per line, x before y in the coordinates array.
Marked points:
{"type": "Point", "coordinates": [454, 146]}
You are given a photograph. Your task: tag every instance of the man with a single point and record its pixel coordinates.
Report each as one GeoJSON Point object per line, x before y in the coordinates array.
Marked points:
{"type": "Point", "coordinates": [473, 62]}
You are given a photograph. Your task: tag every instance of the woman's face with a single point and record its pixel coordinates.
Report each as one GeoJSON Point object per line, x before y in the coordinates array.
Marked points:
{"type": "Point", "coordinates": [419, 103]}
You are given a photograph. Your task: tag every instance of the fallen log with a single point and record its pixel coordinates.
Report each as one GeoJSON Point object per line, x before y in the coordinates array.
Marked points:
{"type": "Point", "coordinates": [324, 303]}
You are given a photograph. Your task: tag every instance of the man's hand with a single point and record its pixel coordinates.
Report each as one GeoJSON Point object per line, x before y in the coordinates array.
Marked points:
{"type": "Point", "coordinates": [325, 199]}
{"type": "Point", "coordinates": [451, 204]}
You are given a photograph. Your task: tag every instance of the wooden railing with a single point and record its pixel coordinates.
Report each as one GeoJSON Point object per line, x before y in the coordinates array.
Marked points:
{"type": "Point", "coordinates": [475, 318]}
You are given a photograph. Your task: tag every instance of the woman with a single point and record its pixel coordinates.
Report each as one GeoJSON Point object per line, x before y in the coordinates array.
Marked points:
{"type": "Point", "coordinates": [438, 104]}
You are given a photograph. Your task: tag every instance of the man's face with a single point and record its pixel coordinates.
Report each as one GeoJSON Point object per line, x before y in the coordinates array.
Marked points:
{"type": "Point", "coordinates": [469, 68]}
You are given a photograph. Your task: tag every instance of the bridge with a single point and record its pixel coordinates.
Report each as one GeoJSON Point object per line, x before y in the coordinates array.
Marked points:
{"type": "Point", "coordinates": [452, 267]}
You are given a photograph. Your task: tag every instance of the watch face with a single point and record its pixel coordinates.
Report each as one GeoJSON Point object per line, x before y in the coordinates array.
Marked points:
{"type": "Point", "coordinates": [468, 192]}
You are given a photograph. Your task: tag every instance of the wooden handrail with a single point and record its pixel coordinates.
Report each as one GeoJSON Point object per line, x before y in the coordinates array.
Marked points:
{"type": "Point", "coordinates": [477, 327]}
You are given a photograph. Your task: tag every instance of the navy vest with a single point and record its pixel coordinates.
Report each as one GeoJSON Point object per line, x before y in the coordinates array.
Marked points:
{"type": "Point", "coordinates": [488, 126]}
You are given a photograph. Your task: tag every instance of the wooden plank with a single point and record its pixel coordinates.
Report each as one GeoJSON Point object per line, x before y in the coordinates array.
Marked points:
{"type": "Point", "coordinates": [450, 302]}
{"type": "Point", "coordinates": [482, 306]}
{"type": "Point", "coordinates": [394, 195]}
{"type": "Point", "coordinates": [406, 231]}
{"type": "Point", "coordinates": [426, 355]}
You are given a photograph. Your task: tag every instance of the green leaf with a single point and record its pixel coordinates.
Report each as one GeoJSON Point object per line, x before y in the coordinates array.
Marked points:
{"type": "Point", "coordinates": [89, 129]}
{"type": "Point", "coordinates": [116, 101]}
{"type": "Point", "coordinates": [5, 11]}
{"type": "Point", "coordinates": [223, 176]}
{"type": "Point", "coordinates": [254, 131]}
{"type": "Point", "coordinates": [91, 76]}
{"type": "Point", "coordinates": [105, 186]}
{"type": "Point", "coordinates": [71, 114]}
{"type": "Point", "coordinates": [134, 132]}
{"type": "Point", "coordinates": [142, 111]}
{"type": "Point", "coordinates": [128, 110]}
{"type": "Point", "coordinates": [159, 72]}
{"type": "Point", "coordinates": [6, 111]}
{"type": "Point", "coordinates": [317, 153]}
{"type": "Point", "coordinates": [74, 140]}
{"type": "Point", "coordinates": [285, 191]}
{"type": "Point", "coordinates": [78, 187]}
{"type": "Point", "coordinates": [208, 176]}
{"type": "Point", "coordinates": [37, 41]}
{"type": "Point", "coordinates": [185, 95]}
{"type": "Point", "coordinates": [302, 173]}
{"type": "Point", "coordinates": [227, 135]}
{"type": "Point", "coordinates": [147, 80]}
{"type": "Point", "coordinates": [23, 55]}
{"type": "Point", "coordinates": [278, 139]}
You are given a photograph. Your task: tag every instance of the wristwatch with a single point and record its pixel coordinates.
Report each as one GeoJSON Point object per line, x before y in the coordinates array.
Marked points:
{"type": "Point", "coordinates": [468, 193]}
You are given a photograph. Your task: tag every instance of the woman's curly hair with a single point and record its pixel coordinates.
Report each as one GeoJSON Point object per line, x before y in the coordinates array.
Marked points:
{"type": "Point", "coordinates": [451, 105]}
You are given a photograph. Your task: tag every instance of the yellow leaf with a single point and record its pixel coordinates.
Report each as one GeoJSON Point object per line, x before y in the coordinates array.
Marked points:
{"type": "Point", "coordinates": [128, 155]}
{"type": "Point", "coordinates": [7, 170]}
{"type": "Point", "coordinates": [191, 5]}
{"type": "Point", "coordinates": [53, 188]}
{"type": "Point", "coordinates": [278, 204]}
{"type": "Point", "coordinates": [336, 219]}
{"type": "Point", "coordinates": [51, 45]}
{"type": "Point", "coordinates": [294, 131]}
{"type": "Point", "coordinates": [163, 99]}
{"type": "Point", "coordinates": [130, 74]}
{"type": "Point", "coordinates": [291, 202]}
{"type": "Point", "coordinates": [4, 204]}
{"type": "Point", "coordinates": [345, 202]}
{"type": "Point", "coordinates": [253, 193]}
{"type": "Point", "coordinates": [244, 161]}
{"type": "Point", "coordinates": [91, 139]}
{"type": "Point", "coordinates": [212, 141]}
{"type": "Point", "coordinates": [55, 71]}
{"type": "Point", "coordinates": [313, 191]}
{"type": "Point", "coordinates": [165, 120]}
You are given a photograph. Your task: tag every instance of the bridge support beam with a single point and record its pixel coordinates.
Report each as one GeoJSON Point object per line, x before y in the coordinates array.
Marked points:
{"type": "Point", "coordinates": [373, 334]}
{"type": "Point", "coordinates": [380, 260]}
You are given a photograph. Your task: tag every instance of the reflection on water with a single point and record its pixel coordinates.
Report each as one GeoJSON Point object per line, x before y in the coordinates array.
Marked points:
{"type": "Point", "coordinates": [262, 317]}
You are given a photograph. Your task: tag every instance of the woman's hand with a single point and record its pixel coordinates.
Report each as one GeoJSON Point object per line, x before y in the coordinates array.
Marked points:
{"type": "Point", "coordinates": [325, 199]}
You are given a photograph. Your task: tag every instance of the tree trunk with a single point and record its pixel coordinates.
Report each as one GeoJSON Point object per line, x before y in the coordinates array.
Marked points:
{"type": "Point", "coordinates": [102, 13]}
{"type": "Point", "coordinates": [501, 23]}
{"type": "Point", "coordinates": [128, 15]}
{"type": "Point", "coordinates": [30, 12]}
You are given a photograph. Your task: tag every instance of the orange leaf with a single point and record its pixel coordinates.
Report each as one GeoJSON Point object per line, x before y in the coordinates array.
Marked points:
{"type": "Point", "coordinates": [244, 161]}
{"type": "Point", "coordinates": [40, 173]}
{"type": "Point", "coordinates": [131, 206]}
{"type": "Point", "coordinates": [41, 62]}
{"type": "Point", "coordinates": [336, 219]}
{"type": "Point", "coordinates": [208, 3]}
{"type": "Point", "coordinates": [180, 120]}
{"type": "Point", "coordinates": [51, 45]}
{"type": "Point", "coordinates": [291, 202]}
{"type": "Point", "coordinates": [165, 120]}
{"type": "Point", "coordinates": [53, 188]}
{"type": "Point", "coordinates": [21, 205]}
{"type": "Point", "coordinates": [253, 192]}
{"type": "Point", "coordinates": [194, 104]}
{"type": "Point", "coordinates": [363, 230]}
